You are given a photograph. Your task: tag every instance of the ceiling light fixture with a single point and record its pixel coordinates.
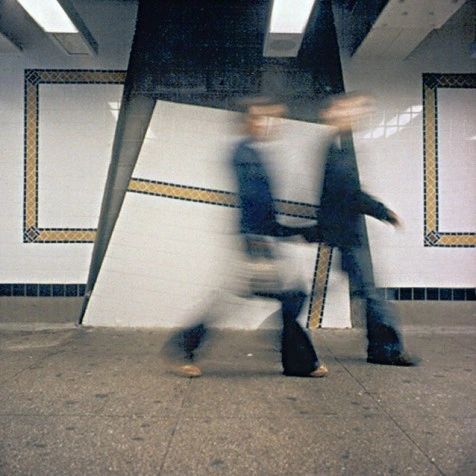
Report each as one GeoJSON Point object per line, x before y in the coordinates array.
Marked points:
{"type": "Point", "coordinates": [290, 16]}
{"type": "Point", "coordinates": [286, 28]}
{"type": "Point", "coordinates": [63, 24]}
{"type": "Point", "coordinates": [49, 14]}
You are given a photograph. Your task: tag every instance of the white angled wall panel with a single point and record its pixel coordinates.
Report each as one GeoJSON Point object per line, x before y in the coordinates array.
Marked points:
{"type": "Point", "coordinates": [170, 259]}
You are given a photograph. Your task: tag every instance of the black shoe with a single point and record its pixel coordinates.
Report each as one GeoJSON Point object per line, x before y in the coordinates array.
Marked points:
{"type": "Point", "coordinates": [402, 360]}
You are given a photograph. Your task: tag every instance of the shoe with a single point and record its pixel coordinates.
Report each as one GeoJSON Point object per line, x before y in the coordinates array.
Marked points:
{"type": "Point", "coordinates": [402, 360]}
{"type": "Point", "coordinates": [190, 371]}
{"type": "Point", "coordinates": [320, 372]}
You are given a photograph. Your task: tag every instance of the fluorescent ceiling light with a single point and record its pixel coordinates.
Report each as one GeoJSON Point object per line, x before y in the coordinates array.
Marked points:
{"type": "Point", "coordinates": [290, 16]}
{"type": "Point", "coordinates": [49, 15]}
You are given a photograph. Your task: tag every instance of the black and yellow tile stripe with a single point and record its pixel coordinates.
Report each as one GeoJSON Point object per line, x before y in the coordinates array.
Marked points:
{"type": "Point", "coordinates": [433, 236]}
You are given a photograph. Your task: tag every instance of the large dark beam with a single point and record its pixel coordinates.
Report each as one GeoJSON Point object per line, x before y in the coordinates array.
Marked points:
{"type": "Point", "coordinates": [357, 318]}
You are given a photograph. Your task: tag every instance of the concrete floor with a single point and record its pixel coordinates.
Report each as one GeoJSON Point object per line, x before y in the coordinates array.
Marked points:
{"type": "Point", "coordinates": [87, 402]}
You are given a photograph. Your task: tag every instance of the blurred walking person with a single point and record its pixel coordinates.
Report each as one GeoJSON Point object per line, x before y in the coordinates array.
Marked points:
{"type": "Point", "coordinates": [342, 204]}
{"type": "Point", "coordinates": [259, 230]}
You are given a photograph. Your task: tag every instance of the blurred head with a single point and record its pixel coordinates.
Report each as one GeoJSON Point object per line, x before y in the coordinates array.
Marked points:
{"type": "Point", "coordinates": [262, 118]}
{"type": "Point", "coordinates": [347, 111]}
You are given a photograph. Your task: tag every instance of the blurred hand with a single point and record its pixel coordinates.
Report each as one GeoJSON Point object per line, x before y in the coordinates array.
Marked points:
{"type": "Point", "coordinates": [394, 219]}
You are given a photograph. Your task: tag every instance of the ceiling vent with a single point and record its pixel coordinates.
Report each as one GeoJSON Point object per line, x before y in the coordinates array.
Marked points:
{"type": "Point", "coordinates": [282, 44]}
{"type": "Point", "coordinates": [403, 25]}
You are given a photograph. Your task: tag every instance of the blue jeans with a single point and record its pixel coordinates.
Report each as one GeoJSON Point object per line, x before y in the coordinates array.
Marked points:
{"type": "Point", "coordinates": [384, 338]}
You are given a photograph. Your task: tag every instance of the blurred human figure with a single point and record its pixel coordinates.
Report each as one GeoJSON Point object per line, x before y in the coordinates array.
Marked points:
{"type": "Point", "coordinates": [342, 203]}
{"type": "Point", "coordinates": [259, 229]}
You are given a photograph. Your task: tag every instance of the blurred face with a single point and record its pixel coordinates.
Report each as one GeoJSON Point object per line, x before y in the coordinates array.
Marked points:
{"type": "Point", "coordinates": [262, 122]}
{"type": "Point", "coordinates": [349, 112]}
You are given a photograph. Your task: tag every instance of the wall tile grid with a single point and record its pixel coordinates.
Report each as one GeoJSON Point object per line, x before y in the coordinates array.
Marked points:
{"type": "Point", "coordinates": [33, 232]}
{"type": "Point", "coordinates": [178, 264]}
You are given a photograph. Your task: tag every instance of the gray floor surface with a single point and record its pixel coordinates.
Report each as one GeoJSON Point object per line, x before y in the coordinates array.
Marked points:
{"type": "Point", "coordinates": [78, 401]}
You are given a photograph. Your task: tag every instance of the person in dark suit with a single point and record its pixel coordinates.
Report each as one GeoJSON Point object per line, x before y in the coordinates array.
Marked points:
{"type": "Point", "coordinates": [258, 228]}
{"type": "Point", "coordinates": [342, 206]}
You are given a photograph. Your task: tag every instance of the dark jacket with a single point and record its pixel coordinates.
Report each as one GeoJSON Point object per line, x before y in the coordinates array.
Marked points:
{"type": "Point", "coordinates": [342, 201]}
{"type": "Point", "coordinates": [258, 214]}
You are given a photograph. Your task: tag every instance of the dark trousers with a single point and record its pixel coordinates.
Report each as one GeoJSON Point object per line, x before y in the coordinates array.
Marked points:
{"type": "Point", "coordinates": [384, 339]}
{"type": "Point", "coordinates": [297, 352]}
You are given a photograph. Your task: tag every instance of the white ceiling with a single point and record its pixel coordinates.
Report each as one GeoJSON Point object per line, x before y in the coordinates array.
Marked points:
{"type": "Point", "coordinates": [403, 25]}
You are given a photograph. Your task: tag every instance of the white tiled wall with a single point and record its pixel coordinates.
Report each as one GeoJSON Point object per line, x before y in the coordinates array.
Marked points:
{"type": "Point", "coordinates": [188, 145]}
{"type": "Point", "coordinates": [166, 249]}
{"type": "Point", "coordinates": [191, 145]}
{"type": "Point", "coordinates": [390, 157]}
{"type": "Point", "coordinates": [76, 131]}
{"type": "Point", "coordinates": [169, 259]}
{"type": "Point", "coordinates": [185, 144]}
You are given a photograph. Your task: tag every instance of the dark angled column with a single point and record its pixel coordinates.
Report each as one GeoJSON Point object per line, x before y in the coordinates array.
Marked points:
{"type": "Point", "coordinates": [321, 48]}
{"type": "Point", "coordinates": [135, 114]}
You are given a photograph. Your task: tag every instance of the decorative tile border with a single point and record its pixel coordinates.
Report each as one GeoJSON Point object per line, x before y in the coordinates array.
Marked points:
{"type": "Point", "coordinates": [33, 233]}
{"type": "Point", "coordinates": [42, 290]}
{"type": "Point", "coordinates": [433, 236]}
{"type": "Point", "coordinates": [212, 197]}
{"type": "Point", "coordinates": [319, 286]}
{"type": "Point", "coordinates": [390, 294]}
{"type": "Point", "coordinates": [428, 294]}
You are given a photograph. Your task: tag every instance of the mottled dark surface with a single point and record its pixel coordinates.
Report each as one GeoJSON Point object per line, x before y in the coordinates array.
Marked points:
{"type": "Point", "coordinates": [81, 401]}
{"type": "Point", "coordinates": [210, 53]}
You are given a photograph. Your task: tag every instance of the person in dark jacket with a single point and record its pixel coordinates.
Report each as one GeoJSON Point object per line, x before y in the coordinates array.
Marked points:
{"type": "Point", "coordinates": [258, 228]}
{"type": "Point", "coordinates": [342, 207]}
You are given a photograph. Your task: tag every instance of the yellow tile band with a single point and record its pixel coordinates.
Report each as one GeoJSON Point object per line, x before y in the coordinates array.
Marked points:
{"type": "Point", "coordinates": [318, 296]}
{"type": "Point", "coordinates": [62, 236]}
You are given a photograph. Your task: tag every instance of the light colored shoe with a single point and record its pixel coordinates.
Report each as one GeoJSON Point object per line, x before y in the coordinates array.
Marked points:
{"type": "Point", "coordinates": [320, 372]}
{"type": "Point", "coordinates": [190, 371]}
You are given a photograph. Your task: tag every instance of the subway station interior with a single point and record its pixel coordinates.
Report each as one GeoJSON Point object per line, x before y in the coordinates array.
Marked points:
{"type": "Point", "coordinates": [210, 205]}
